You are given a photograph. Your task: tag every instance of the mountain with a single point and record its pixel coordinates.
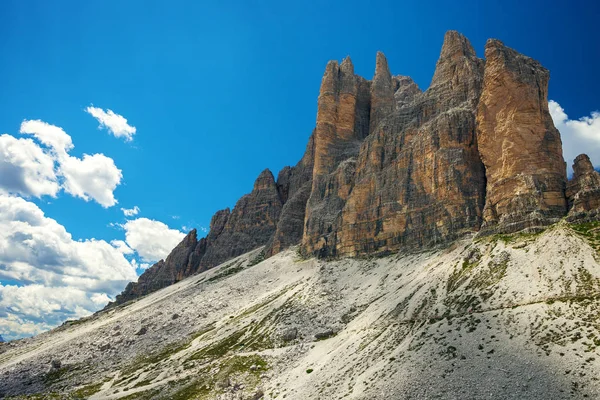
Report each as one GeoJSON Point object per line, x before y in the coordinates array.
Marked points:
{"type": "Point", "coordinates": [389, 167]}
{"type": "Point", "coordinates": [428, 245]}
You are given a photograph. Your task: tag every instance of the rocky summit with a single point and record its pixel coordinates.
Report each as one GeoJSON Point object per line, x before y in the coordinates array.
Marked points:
{"type": "Point", "coordinates": [428, 245]}
{"type": "Point", "coordinates": [389, 167]}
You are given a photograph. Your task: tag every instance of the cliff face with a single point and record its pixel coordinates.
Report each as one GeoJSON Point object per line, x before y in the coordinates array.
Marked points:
{"type": "Point", "coordinates": [518, 143]}
{"type": "Point", "coordinates": [391, 168]}
{"type": "Point", "coordinates": [583, 190]}
{"type": "Point", "coordinates": [250, 225]}
{"type": "Point", "coordinates": [419, 180]}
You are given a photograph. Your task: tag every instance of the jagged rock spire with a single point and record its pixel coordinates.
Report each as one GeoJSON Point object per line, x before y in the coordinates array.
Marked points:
{"type": "Point", "coordinates": [382, 92]}
{"type": "Point", "coordinates": [518, 144]}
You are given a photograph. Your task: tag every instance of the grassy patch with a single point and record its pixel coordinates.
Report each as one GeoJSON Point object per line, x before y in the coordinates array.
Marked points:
{"type": "Point", "coordinates": [88, 390]}
{"type": "Point", "coordinates": [227, 271]}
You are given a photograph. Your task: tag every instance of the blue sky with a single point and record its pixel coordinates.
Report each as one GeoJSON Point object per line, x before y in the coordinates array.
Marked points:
{"type": "Point", "coordinates": [217, 91]}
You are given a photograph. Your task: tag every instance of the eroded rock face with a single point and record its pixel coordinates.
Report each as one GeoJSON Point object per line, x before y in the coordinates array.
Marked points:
{"type": "Point", "coordinates": [165, 272]}
{"type": "Point", "coordinates": [518, 143]}
{"type": "Point", "coordinates": [419, 180]}
{"type": "Point", "coordinates": [251, 223]}
{"type": "Point", "coordinates": [583, 190]}
{"type": "Point", "coordinates": [391, 168]}
{"type": "Point", "coordinates": [342, 123]}
{"type": "Point", "coordinates": [294, 185]}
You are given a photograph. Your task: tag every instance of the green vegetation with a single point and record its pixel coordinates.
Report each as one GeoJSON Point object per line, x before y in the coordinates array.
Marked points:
{"type": "Point", "coordinates": [244, 370]}
{"type": "Point", "coordinates": [258, 259]}
{"type": "Point", "coordinates": [590, 231]}
{"type": "Point", "coordinates": [460, 275]}
{"type": "Point", "coordinates": [308, 371]}
{"type": "Point", "coordinates": [153, 358]}
{"type": "Point", "coordinates": [220, 348]}
{"type": "Point", "coordinates": [59, 374]}
{"type": "Point", "coordinates": [87, 391]}
{"type": "Point", "coordinates": [227, 271]}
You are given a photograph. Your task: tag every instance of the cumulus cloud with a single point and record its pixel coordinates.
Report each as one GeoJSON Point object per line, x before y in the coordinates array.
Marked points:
{"type": "Point", "coordinates": [26, 169]}
{"type": "Point", "coordinates": [115, 123]}
{"type": "Point", "coordinates": [122, 247]}
{"type": "Point", "coordinates": [139, 266]}
{"type": "Point", "coordinates": [578, 135]}
{"type": "Point", "coordinates": [52, 136]}
{"type": "Point", "coordinates": [93, 177]}
{"type": "Point", "coordinates": [60, 278]}
{"type": "Point", "coordinates": [131, 212]}
{"type": "Point", "coordinates": [152, 240]}
{"type": "Point", "coordinates": [35, 168]}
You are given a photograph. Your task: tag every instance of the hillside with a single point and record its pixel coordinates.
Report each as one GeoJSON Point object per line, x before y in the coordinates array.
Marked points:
{"type": "Point", "coordinates": [498, 317]}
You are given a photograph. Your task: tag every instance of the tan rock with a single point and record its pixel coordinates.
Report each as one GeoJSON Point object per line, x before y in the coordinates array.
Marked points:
{"type": "Point", "coordinates": [518, 143]}
{"type": "Point", "coordinates": [583, 190]}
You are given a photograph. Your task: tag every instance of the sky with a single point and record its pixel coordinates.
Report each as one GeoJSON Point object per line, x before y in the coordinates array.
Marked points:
{"type": "Point", "coordinates": [125, 124]}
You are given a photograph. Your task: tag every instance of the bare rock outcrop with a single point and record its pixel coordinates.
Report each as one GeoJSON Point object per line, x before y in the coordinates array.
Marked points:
{"type": "Point", "coordinates": [391, 168]}
{"type": "Point", "coordinates": [583, 190]}
{"type": "Point", "coordinates": [294, 185]}
{"type": "Point", "coordinates": [419, 180]}
{"type": "Point", "coordinates": [518, 143]}
{"type": "Point", "coordinates": [163, 273]}
{"type": "Point", "coordinates": [251, 223]}
{"type": "Point", "coordinates": [342, 123]}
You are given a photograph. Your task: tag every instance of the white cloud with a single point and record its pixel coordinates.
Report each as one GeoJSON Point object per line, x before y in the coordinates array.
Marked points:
{"type": "Point", "coordinates": [130, 212]}
{"type": "Point", "coordinates": [95, 177]}
{"type": "Point", "coordinates": [137, 265]}
{"type": "Point", "coordinates": [52, 136]}
{"type": "Point", "coordinates": [62, 278]}
{"type": "Point", "coordinates": [115, 123]}
{"type": "Point", "coordinates": [26, 169]}
{"type": "Point", "coordinates": [122, 247]}
{"type": "Point", "coordinates": [578, 136]}
{"type": "Point", "coordinates": [152, 240]}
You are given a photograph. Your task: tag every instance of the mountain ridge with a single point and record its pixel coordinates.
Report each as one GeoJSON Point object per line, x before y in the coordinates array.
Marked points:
{"type": "Point", "coordinates": [390, 167]}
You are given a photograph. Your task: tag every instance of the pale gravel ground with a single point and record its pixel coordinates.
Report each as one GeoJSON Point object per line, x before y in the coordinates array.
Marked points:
{"type": "Point", "coordinates": [400, 333]}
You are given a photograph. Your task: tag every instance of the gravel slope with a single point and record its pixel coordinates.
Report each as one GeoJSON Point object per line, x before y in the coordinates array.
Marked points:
{"type": "Point", "coordinates": [506, 317]}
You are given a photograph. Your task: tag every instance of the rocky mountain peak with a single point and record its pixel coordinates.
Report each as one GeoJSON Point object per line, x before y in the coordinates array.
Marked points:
{"type": "Point", "coordinates": [265, 181]}
{"type": "Point", "coordinates": [382, 92]}
{"type": "Point", "coordinates": [583, 191]}
{"type": "Point", "coordinates": [581, 166]}
{"type": "Point", "coordinates": [346, 66]}
{"type": "Point", "coordinates": [389, 167]}
{"type": "Point", "coordinates": [457, 60]}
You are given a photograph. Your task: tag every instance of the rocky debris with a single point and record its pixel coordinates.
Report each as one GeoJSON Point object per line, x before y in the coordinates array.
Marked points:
{"type": "Point", "coordinates": [324, 335]}
{"type": "Point", "coordinates": [518, 318]}
{"type": "Point", "coordinates": [55, 364]}
{"type": "Point", "coordinates": [143, 330]}
{"type": "Point", "coordinates": [289, 334]}
{"type": "Point", "coordinates": [518, 143]}
{"type": "Point", "coordinates": [583, 190]}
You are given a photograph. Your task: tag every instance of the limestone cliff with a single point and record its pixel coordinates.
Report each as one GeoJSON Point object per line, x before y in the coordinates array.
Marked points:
{"type": "Point", "coordinates": [583, 190]}
{"type": "Point", "coordinates": [518, 143]}
{"type": "Point", "coordinates": [389, 168]}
